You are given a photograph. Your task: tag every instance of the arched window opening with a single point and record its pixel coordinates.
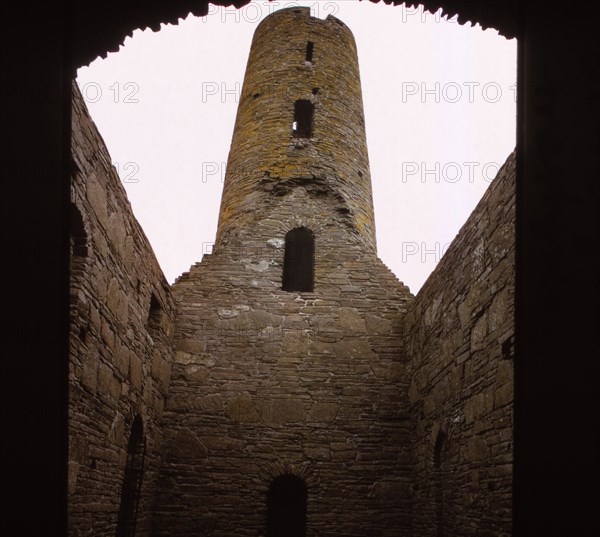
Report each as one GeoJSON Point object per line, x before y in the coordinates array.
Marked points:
{"type": "Point", "coordinates": [299, 260]}
{"type": "Point", "coordinates": [438, 482]}
{"type": "Point", "coordinates": [286, 507]}
{"type": "Point", "coordinates": [303, 119]}
{"type": "Point", "coordinates": [132, 480]}
{"type": "Point", "coordinates": [154, 315]}
{"type": "Point", "coordinates": [78, 234]}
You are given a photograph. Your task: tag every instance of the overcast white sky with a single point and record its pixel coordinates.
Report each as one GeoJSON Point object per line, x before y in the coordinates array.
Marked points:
{"type": "Point", "coordinates": [440, 113]}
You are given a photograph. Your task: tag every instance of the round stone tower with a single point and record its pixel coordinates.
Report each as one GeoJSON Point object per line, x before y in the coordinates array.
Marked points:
{"type": "Point", "coordinates": [300, 123]}
{"type": "Point", "coordinates": [288, 406]}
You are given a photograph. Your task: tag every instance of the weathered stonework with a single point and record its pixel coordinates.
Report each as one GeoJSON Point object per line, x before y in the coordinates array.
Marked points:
{"type": "Point", "coordinates": [460, 339]}
{"type": "Point", "coordinates": [267, 382]}
{"type": "Point", "coordinates": [308, 383]}
{"type": "Point", "coordinates": [394, 410]}
{"type": "Point", "coordinates": [120, 362]}
{"type": "Point", "coordinates": [266, 158]}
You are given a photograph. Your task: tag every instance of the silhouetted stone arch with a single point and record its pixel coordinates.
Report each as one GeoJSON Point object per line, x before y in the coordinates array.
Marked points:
{"type": "Point", "coordinates": [105, 32]}
{"type": "Point", "coordinates": [132, 480]}
{"type": "Point", "coordinates": [299, 260]}
{"type": "Point", "coordinates": [286, 507]}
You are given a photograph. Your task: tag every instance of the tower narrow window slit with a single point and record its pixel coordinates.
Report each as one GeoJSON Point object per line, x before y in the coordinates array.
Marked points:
{"type": "Point", "coordinates": [303, 118]}
{"type": "Point", "coordinates": [154, 315]}
{"type": "Point", "coordinates": [310, 47]}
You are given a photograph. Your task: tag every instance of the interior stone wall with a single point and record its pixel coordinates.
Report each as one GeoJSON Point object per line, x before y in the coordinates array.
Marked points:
{"type": "Point", "coordinates": [349, 387]}
{"type": "Point", "coordinates": [460, 338]}
{"type": "Point", "coordinates": [119, 364]}
{"type": "Point", "coordinates": [267, 382]}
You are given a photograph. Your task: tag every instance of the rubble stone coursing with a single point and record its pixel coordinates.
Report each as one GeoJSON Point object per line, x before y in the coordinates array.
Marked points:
{"type": "Point", "coordinates": [120, 365]}
{"type": "Point", "coordinates": [348, 387]}
{"type": "Point", "coordinates": [460, 338]}
{"type": "Point", "coordinates": [267, 381]}
{"type": "Point", "coordinates": [265, 158]}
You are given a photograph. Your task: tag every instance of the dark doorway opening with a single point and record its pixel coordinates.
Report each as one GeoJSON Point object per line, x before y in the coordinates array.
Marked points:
{"type": "Point", "coordinates": [132, 480]}
{"type": "Point", "coordinates": [286, 507]}
{"type": "Point", "coordinates": [299, 260]}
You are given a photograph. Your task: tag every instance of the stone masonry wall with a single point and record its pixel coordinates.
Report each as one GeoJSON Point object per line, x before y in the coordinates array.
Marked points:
{"type": "Point", "coordinates": [268, 382]}
{"type": "Point", "coordinates": [264, 154]}
{"type": "Point", "coordinates": [460, 340]}
{"type": "Point", "coordinates": [119, 357]}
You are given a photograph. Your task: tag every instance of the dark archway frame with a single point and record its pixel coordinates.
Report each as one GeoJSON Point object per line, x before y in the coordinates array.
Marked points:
{"type": "Point", "coordinates": [287, 499]}
{"type": "Point", "coordinates": [557, 232]}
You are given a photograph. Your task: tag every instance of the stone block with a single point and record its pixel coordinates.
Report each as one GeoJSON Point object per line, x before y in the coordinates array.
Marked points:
{"type": "Point", "coordinates": [117, 430]}
{"type": "Point", "coordinates": [89, 374]}
{"type": "Point", "coordinates": [108, 335]}
{"type": "Point", "coordinates": [322, 411]}
{"type": "Point", "coordinates": [464, 313]}
{"type": "Point", "coordinates": [351, 321]}
{"type": "Point", "coordinates": [260, 319]}
{"type": "Point", "coordinates": [113, 297]}
{"type": "Point", "coordinates": [115, 387]}
{"type": "Point", "coordinates": [73, 471]}
{"type": "Point", "coordinates": [158, 405]}
{"type": "Point", "coordinates": [390, 371]}
{"type": "Point", "coordinates": [185, 358]}
{"type": "Point", "coordinates": [224, 443]}
{"type": "Point", "coordinates": [294, 321]}
{"type": "Point", "coordinates": [241, 409]}
{"type": "Point", "coordinates": [352, 347]}
{"type": "Point", "coordinates": [104, 378]}
{"type": "Point", "coordinates": [121, 358]}
{"type": "Point", "coordinates": [317, 453]}
{"type": "Point", "coordinates": [378, 325]}
{"type": "Point", "coordinates": [390, 490]}
{"type": "Point", "coordinates": [209, 403]}
{"type": "Point", "coordinates": [96, 195]}
{"type": "Point", "coordinates": [428, 406]}
{"type": "Point", "coordinates": [327, 327]}
{"type": "Point", "coordinates": [148, 391]}
{"type": "Point", "coordinates": [321, 347]}
{"type": "Point", "coordinates": [197, 373]}
{"type": "Point", "coordinates": [503, 395]}
{"type": "Point", "coordinates": [504, 373]}
{"type": "Point", "coordinates": [479, 333]}
{"type": "Point", "coordinates": [135, 371]}
{"type": "Point", "coordinates": [165, 373]}
{"type": "Point", "coordinates": [295, 343]}
{"type": "Point", "coordinates": [187, 445]}
{"type": "Point", "coordinates": [191, 346]}
{"type": "Point", "coordinates": [477, 449]}
{"type": "Point", "coordinates": [282, 411]}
